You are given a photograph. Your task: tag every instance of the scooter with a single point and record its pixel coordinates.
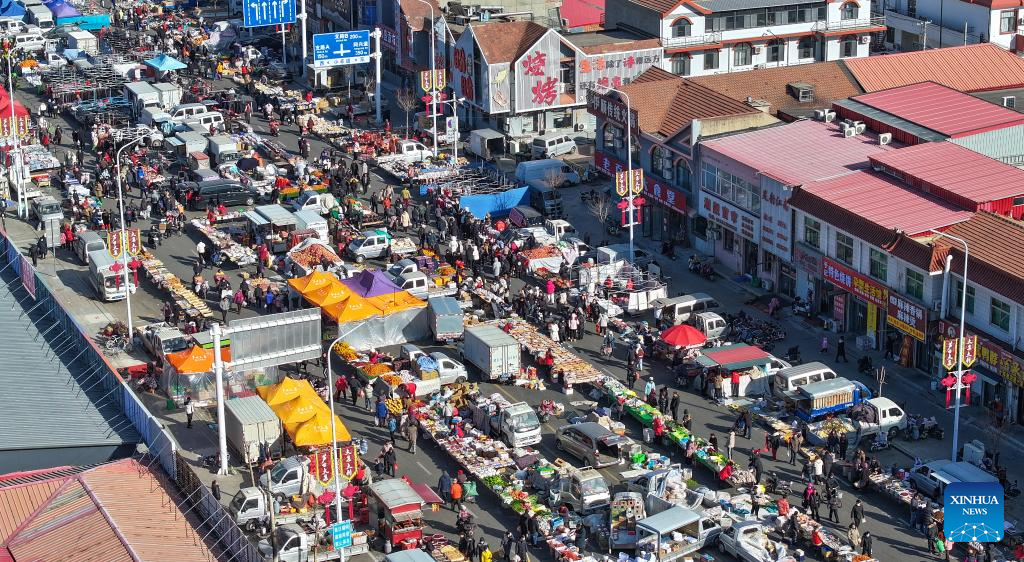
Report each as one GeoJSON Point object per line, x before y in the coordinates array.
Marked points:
{"type": "Point", "coordinates": [792, 355]}
{"type": "Point", "coordinates": [801, 306]}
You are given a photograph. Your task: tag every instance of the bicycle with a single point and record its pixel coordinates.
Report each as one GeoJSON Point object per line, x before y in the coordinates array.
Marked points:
{"type": "Point", "coordinates": [117, 344]}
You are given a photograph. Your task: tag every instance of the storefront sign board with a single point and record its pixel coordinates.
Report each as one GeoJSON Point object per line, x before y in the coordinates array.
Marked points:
{"type": "Point", "coordinates": [853, 282]}
{"type": "Point", "coordinates": [907, 316]}
{"type": "Point", "coordinates": [776, 218]}
{"type": "Point", "coordinates": [839, 311]}
{"type": "Point", "coordinates": [730, 216]}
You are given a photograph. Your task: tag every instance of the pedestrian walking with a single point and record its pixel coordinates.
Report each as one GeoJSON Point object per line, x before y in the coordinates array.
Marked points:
{"type": "Point", "coordinates": [841, 349]}
{"type": "Point", "coordinates": [392, 424]}
{"type": "Point", "coordinates": [866, 541]}
{"type": "Point", "coordinates": [190, 410]}
{"type": "Point", "coordinates": [835, 502]}
{"type": "Point", "coordinates": [824, 344]}
{"type": "Point", "coordinates": [412, 433]}
{"type": "Point", "coordinates": [794, 447]}
{"type": "Point", "coordinates": [857, 514]}
{"type": "Point", "coordinates": [731, 443]}
{"type": "Point", "coordinates": [674, 407]}
{"type": "Point", "coordinates": [853, 535]}
{"type": "Point", "coordinates": [456, 496]}
{"type": "Point", "coordinates": [444, 486]}
{"type": "Point", "coordinates": [390, 460]}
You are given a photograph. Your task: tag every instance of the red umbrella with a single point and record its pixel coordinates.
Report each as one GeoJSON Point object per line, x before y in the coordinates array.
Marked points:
{"type": "Point", "coordinates": [683, 335]}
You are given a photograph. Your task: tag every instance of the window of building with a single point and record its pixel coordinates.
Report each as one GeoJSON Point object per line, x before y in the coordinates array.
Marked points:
{"type": "Point", "coordinates": [1007, 21]}
{"type": "Point", "coordinates": [844, 248]}
{"type": "Point", "coordinates": [812, 232]}
{"type": "Point", "coordinates": [681, 28]}
{"type": "Point", "coordinates": [912, 8]}
{"type": "Point", "coordinates": [681, 64]}
{"type": "Point", "coordinates": [1010, 101]}
{"type": "Point", "coordinates": [806, 47]}
{"type": "Point", "coordinates": [879, 267]}
{"type": "Point", "coordinates": [848, 47]}
{"type": "Point", "coordinates": [732, 188]}
{"type": "Point", "coordinates": [914, 284]}
{"type": "Point", "coordinates": [711, 60]}
{"type": "Point", "coordinates": [849, 11]}
{"type": "Point", "coordinates": [741, 54]}
{"type": "Point", "coordinates": [614, 139]}
{"type": "Point", "coordinates": [700, 227]}
{"type": "Point", "coordinates": [999, 314]}
{"type": "Point", "coordinates": [728, 240]}
{"type": "Point", "coordinates": [776, 50]}
{"type": "Point", "coordinates": [954, 307]}
{"type": "Point", "coordinates": [767, 261]}
{"type": "Point", "coordinates": [682, 174]}
{"type": "Point", "coordinates": [661, 162]}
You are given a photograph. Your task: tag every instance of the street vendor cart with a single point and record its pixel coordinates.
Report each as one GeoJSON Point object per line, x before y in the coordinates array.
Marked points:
{"type": "Point", "coordinates": [396, 512]}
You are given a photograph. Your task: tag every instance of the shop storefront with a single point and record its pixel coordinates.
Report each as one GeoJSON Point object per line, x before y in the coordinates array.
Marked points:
{"type": "Point", "coordinates": [663, 216]}
{"type": "Point", "coordinates": [910, 322]}
{"type": "Point", "coordinates": [857, 302]}
{"type": "Point", "coordinates": [735, 232]}
{"type": "Point", "coordinates": [809, 283]}
{"type": "Point", "coordinates": [1000, 372]}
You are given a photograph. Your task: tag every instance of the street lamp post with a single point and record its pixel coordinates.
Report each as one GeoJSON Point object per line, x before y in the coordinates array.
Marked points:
{"type": "Point", "coordinates": [124, 233]}
{"type": "Point", "coordinates": [433, 74]}
{"type": "Point", "coordinates": [960, 352]}
{"type": "Point", "coordinates": [629, 166]}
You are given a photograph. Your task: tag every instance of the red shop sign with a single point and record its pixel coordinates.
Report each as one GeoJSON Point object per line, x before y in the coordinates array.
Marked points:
{"type": "Point", "coordinates": [653, 188]}
{"type": "Point", "coordinates": [853, 282]}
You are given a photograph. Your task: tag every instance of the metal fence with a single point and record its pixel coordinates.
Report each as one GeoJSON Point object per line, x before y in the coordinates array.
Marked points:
{"type": "Point", "coordinates": [216, 520]}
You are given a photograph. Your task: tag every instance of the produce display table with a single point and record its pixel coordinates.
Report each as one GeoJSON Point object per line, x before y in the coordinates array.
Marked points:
{"type": "Point", "coordinates": [229, 249]}
{"type": "Point", "coordinates": [576, 370]}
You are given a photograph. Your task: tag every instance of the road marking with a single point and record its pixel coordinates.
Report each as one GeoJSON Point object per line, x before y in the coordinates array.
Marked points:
{"type": "Point", "coordinates": [425, 469]}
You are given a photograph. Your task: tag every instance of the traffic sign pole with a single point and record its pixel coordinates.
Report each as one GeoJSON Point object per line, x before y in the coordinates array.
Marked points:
{"type": "Point", "coordinates": [377, 55]}
{"type": "Point", "coordinates": [305, 48]}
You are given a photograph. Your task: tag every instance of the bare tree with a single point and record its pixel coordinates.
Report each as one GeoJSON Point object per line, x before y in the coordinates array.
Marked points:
{"type": "Point", "coordinates": [407, 102]}
{"type": "Point", "coordinates": [554, 178]}
{"type": "Point", "coordinates": [600, 206]}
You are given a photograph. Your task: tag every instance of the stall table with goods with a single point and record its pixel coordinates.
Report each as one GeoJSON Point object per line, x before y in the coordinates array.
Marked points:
{"type": "Point", "coordinates": [575, 369]}
{"type": "Point", "coordinates": [223, 241]}
{"type": "Point", "coordinates": [184, 298]}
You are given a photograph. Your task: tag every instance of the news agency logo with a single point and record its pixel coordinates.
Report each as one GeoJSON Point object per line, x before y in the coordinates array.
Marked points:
{"type": "Point", "coordinates": [973, 512]}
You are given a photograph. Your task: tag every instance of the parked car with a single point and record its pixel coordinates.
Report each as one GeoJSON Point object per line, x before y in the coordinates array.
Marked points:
{"type": "Point", "coordinates": [230, 193]}
{"type": "Point", "coordinates": [592, 442]}
{"type": "Point", "coordinates": [748, 541]}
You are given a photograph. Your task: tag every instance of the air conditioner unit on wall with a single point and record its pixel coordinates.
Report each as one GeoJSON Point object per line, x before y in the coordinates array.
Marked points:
{"type": "Point", "coordinates": [865, 39]}
{"type": "Point", "coordinates": [884, 138]}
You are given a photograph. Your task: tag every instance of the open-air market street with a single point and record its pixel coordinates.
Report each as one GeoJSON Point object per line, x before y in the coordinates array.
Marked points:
{"type": "Point", "coordinates": [761, 368]}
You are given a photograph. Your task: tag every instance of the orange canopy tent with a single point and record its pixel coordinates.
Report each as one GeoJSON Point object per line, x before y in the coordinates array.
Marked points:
{"type": "Point", "coordinates": [287, 389]}
{"type": "Point", "coordinates": [313, 281]}
{"type": "Point", "coordinates": [298, 410]}
{"type": "Point", "coordinates": [395, 302]}
{"type": "Point", "coordinates": [317, 431]}
{"type": "Point", "coordinates": [328, 294]}
{"type": "Point", "coordinates": [196, 359]}
{"type": "Point", "coordinates": [352, 309]}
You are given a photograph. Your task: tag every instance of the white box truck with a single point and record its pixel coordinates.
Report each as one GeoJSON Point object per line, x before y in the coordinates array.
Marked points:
{"type": "Point", "coordinates": [249, 422]}
{"type": "Point", "coordinates": [492, 351]}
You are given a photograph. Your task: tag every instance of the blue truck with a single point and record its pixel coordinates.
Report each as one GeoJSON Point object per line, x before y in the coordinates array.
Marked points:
{"type": "Point", "coordinates": [829, 397]}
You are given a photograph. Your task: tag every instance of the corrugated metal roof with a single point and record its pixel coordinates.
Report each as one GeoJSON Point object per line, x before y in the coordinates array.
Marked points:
{"type": "Point", "coordinates": [35, 382]}
{"type": "Point", "coordinates": [799, 152]}
{"type": "Point", "coordinates": [970, 68]}
{"type": "Point", "coordinates": [250, 409]}
{"type": "Point", "coordinates": [732, 5]}
{"type": "Point", "coordinates": [941, 109]}
{"type": "Point", "coordinates": [923, 133]}
{"type": "Point", "coordinates": [950, 167]}
{"type": "Point", "coordinates": [114, 512]}
{"type": "Point", "coordinates": [582, 13]}
{"type": "Point", "coordinates": [1005, 145]}
{"type": "Point", "coordinates": [882, 201]}
{"type": "Point", "coordinates": [17, 503]}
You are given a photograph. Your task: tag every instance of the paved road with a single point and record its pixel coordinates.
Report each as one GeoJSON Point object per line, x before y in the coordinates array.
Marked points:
{"type": "Point", "coordinates": [885, 519]}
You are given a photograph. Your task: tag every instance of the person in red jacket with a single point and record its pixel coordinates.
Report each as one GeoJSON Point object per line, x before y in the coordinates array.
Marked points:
{"type": "Point", "coordinates": [725, 473]}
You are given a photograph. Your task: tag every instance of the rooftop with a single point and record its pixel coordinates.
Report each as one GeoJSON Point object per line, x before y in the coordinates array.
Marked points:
{"type": "Point", "coordinates": [886, 202]}
{"type": "Point", "coordinates": [970, 68]}
{"type": "Point", "coordinates": [954, 169]}
{"type": "Point", "coordinates": [778, 86]}
{"type": "Point", "coordinates": [996, 244]}
{"type": "Point", "coordinates": [118, 511]}
{"type": "Point", "coordinates": [1005, 145]}
{"type": "Point", "coordinates": [611, 41]}
{"type": "Point", "coordinates": [582, 13]}
{"type": "Point", "coordinates": [505, 41]}
{"type": "Point", "coordinates": [923, 133]}
{"type": "Point", "coordinates": [666, 103]}
{"type": "Point", "coordinates": [800, 152]}
{"type": "Point", "coordinates": [941, 109]}
{"type": "Point", "coordinates": [708, 6]}
{"type": "Point", "coordinates": [418, 13]}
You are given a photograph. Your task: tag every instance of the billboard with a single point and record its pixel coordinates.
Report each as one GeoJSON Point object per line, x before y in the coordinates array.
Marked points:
{"type": "Point", "coordinates": [275, 339]}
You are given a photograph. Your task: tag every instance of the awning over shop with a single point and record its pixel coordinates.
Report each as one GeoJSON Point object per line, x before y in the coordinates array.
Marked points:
{"type": "Point", "coordinates": [196, 359]}
{"type": "Point", "coordinates": [735, 357]}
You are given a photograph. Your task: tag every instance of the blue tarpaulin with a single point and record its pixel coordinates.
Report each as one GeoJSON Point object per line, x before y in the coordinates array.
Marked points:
{"type": "Point", "coordinates": [164, 63]}
{"type": "Point", "coordinates": [11, 9]}
{"type": "Point", "coordinates": [86, 22]}
{"type": "Point", "coordinates": [497, 204]}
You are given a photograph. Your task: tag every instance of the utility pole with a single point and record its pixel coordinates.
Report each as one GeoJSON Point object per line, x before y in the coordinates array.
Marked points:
{"type": "Point", "coordinates": [305, 53]}
{"type": "Point", "coordinates": [924, 34]}
{"type": "Point", "coordinates": [377, 55]}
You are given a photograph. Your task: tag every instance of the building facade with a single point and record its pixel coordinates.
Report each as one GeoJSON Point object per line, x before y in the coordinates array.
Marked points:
{"type": "Point", "coordinates": [523, 79]}
{"type": "Point", "coordinates": [704, 37]}
{"type": "Point", "coordinates": [941, 23]}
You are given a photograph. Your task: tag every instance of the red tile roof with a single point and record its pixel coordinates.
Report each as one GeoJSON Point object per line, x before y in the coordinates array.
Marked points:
{"type": "Point", "coordinates": [884, 201]}
{"type": "Point", "coordinates": [417, 14]}
{"type": "Point", "coordinates": [961, 176]}
{"type": "Point", "coordinates": [996, 244]}
{"type": "Point", "coordinates": [971, 68]}
{"type": "Point", "coordinates": [17, 503]}
{"type": "Point", "coordinates": [830, 81]}
{"type": "Point", "coordinates": [666, 103]}
{"type": "Point", "coordinates": [799, 152]}
{"type": "Point", "coordinates": [505, 41]}
{"type": "Point", "coordinates": [113, 512]}
{"type": "Point", "coordinates": [942, 109]}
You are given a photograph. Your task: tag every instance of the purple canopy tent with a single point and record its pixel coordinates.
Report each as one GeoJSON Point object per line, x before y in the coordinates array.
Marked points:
{"type": "Point", "coordinates": [62, 9]}
{"type": "Point", "coordinates": [371, 283]}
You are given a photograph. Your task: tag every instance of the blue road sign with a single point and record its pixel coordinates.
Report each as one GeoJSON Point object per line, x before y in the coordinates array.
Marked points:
{"type": "Point", "coordinates": [259, 13]}
{"type": "Point", "coordinates": [341, 48]}
{"type": "Point", "coordinates": [341, 534]}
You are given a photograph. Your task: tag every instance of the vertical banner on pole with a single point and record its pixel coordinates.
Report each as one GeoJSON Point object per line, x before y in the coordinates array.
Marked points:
{"type": "Point", "coordinates": [970, 350]}
{"type": "Point", "coordinates": [949, 353]}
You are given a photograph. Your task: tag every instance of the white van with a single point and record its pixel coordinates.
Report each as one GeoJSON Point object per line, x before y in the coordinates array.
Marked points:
{"type": "Point", "coordinates": [208, 119]}
{"type": "Point", "coordinates": [553, 144]}
{"type": "Point", "coordinates": [31, 42]}
{"type": "Point", "coordinates": [543, 173]}
{"type": "Point", "coordinates": [186, 111]}
{"type": "Point", "coordinates": [787, 381]}
{"type": "Point", "coordinates": [684, 308]}
{"type": "Point", "coordinates": [40, 16]}
{"type": "Point", "coordinates": [932, 478]}
{"type": "Point", "coordinates": [415, 282]}
{"type": "Point", "coordinates": [12, 26]}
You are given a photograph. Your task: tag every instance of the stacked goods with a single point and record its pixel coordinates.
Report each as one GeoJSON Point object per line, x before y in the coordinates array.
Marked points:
{"type": "Point", "coordinates": [394, 405]}
{"type": "Point", "coordinates": [823, 428]}
{"type": "Point", "coordinates": [576, 369]}
{"type": "Point", "coordinates": [345, 351]}
{"type": "Point", "coordinates": [541, 252]}
{"type": "Point", "coordinates": [313, 255]}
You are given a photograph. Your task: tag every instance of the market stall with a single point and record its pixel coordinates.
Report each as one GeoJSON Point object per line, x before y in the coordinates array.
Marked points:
{"type": "Point", "coordinates": [184, 297]}
{"type": "Point", "coordinates": [189, 373]}
{"type": "Point", "coordinates": [575, 370]}
{"type": "Point", "coordinates": [221, 235]}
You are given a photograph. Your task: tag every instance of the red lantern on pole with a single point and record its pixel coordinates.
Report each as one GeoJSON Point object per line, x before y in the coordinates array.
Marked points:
{"type": "Point", "coordinates": [967, 379]}
{"type": "Point", "coordinates": [948, 381]}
